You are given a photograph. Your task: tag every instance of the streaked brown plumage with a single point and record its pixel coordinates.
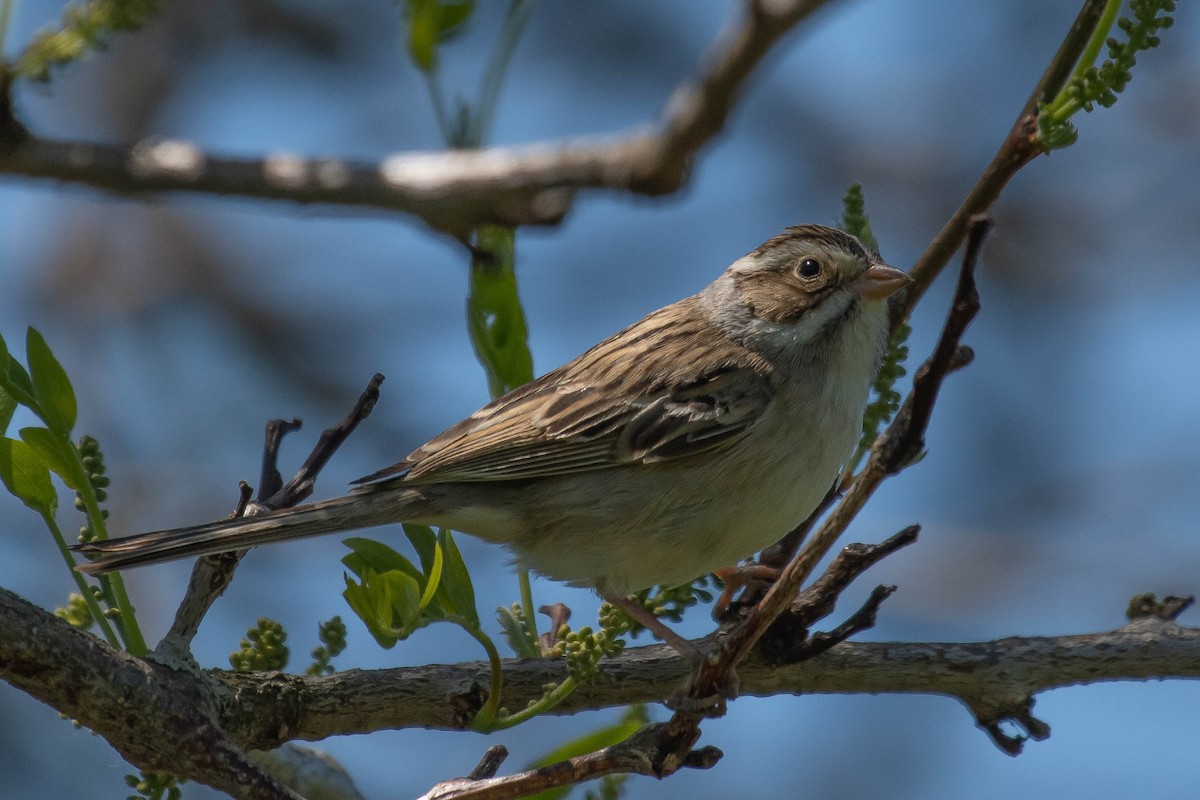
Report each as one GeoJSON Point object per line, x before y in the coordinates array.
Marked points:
{"type": "Point", "coordinates": [683, 443]}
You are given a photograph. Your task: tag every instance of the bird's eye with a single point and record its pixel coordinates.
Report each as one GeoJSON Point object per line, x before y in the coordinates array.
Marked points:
{"type": "Point", "coordinates": [809, 268]}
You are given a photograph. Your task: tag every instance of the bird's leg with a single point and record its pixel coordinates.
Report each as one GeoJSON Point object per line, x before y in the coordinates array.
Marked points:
{"type": "Point", "coordinates": [736, 578]}
{"type": "Point", "coordinates": [652, 623]}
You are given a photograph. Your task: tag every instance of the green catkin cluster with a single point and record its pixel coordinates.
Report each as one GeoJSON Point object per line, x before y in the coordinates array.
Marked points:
{"type": "Point", "coordinates": [76, 612]}
{"type": "Point", "coordinates": [263, 649]}
{"type": "Point", "coordinates": [332, 634]}
{"type": "Point", "coordinates": [154, 786]}
{"type": "Point", "coordinates": [584, 649]}
{"type": "Point", "coordinates": [93, 463]}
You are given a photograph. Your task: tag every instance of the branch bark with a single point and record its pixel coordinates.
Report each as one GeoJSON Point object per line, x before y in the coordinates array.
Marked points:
{"type": "Point", "coordinates": [454, 191]}
{"type": "Point", "coordinates": [157, 716]}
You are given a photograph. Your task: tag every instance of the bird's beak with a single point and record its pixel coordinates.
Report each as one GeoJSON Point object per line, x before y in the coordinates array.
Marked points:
{"type": "Point", "coordinates": [880, 281]}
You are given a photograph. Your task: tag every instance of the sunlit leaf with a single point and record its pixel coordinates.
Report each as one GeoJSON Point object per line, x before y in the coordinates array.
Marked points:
{"type": "Point", "coordinates": [26, 476]}
{"type": "Point", "coordinates": [376, 556]}
{"type": "Point", "coordinates": [7, 406]}
{"type": "Point", "coordinates": [433, 578]}
{"type": "Point", "coordinates": [51, 386]}
{"type": "Point", "coordinates": [52, 449]}
{"type": "Point", "coordinates": [387, 603]}
{"type": "Point", "coordinates": [633, 719]}
{"type": "Point", "coordinates": [456, 581]}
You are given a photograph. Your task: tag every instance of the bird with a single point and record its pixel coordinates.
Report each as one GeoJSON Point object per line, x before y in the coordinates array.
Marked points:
{"type": "Point", "coordinates": [680, 445]}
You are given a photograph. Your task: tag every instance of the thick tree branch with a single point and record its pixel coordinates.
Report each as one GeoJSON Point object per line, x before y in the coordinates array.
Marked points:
{"type": "Point", "coordinates": [453, 191]}
{"type": "Point", "coordinates": [158, 716]}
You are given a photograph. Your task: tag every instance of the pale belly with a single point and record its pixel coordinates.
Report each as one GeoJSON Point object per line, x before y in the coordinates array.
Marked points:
{"type": "Point", "coordinates": [628, 528]}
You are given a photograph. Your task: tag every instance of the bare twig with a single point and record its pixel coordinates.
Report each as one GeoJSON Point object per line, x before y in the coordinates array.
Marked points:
{"type": "Point", "coordinates": [640, 754]}
{"type": "Point", "coordinates": [300, 487]}
{"type": "Point", "coordinates": [453, 191]}
{"type": "Point", "coordinates": [489, 765]}
{"type": "Point", "coordinates": [787, 640]}
{"type": "Point", "coordinates": [211, 575]}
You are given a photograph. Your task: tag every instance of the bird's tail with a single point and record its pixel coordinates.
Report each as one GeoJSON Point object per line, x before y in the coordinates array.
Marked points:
{"type": "Point", "coordinates": [344, 513]}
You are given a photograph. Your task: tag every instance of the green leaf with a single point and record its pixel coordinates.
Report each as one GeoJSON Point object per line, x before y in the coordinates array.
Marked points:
{"type": "Point", "coordinates": [516, 634]}
{"type": "Point", "coordinates": [422, 33]}
{"type": "Point", "coordinates": [51, 448]}
{"type": "Point", "coordinates": [456, 586]}
{"type": "Point", "coordinates": [25, 475]}
{"type": "Point", "coordinates": [854, 217]}
{"type": "Point", "coordinates": [494, 314]}
{"type": "Point", "coordinates": [424, 541]}
{"type": "Point", "coordinates": [631, 721]}
{"type": "Point", "coordinates": [51, 386]}
{"type": "Point", "coordinates": [431, 22]}
{"type": "Point", "coordinates": [387, 603]}
{"type": "Point", "coordinates": [433, 579]}
{"type": "Point", "coordinates": [377, 557]}
{"type": "Point", "coordinates": [7, 406]}
{"type": "Point", "coordinates": [15, 382]}
{"type": "Point", "coordinates": [452, 16]}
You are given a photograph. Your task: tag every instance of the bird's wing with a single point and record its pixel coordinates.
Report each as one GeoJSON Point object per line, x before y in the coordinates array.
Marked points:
{"type": "Point", "coordinates": [691, 392]}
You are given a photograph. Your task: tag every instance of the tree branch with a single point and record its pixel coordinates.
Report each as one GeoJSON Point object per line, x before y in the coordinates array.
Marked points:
{"type": "Point", "coordinates": [1020, 146]}
{"type": "Point", "coordinates": [160, 717]}
{"type": "Point", "coordinates": [640, 754]}
{"type": "Point", "coordinates": [454, 191]}
{"type": "Point", "coordinates": [157, 717]}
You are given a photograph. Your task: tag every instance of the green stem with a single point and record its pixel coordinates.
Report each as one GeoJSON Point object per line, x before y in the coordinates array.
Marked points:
{"type": "Point", "coordinates": [1063, 106]}
{"type": "Point", "coordinates": [549, 701]}
{"type": "Point", "coordinates": [531, 629]}
{"type": "Point", "coordinates": [493, 78]}
{"type": "Point", "coordinates": [438, 101]}
{"type": "Point", "coordinates": [114, 585]}
{"type": "Point", "coordinates": [485, 720]}
{"type": "Point", "coordinates": [84, 589]}
{"type": "Point", "coordinates": [6, 7]}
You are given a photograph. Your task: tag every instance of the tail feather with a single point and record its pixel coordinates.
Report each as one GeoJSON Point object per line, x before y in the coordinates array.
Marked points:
{"type": "Point", "coordinates": [344, 513]}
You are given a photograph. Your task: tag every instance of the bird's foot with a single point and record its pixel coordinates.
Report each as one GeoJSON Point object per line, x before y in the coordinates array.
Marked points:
{"type": "Point", "coordinates": [737, 578]}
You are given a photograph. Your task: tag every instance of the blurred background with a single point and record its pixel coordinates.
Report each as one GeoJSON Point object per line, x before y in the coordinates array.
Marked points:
{"type": "Point", "coordinates": [1061, 475]}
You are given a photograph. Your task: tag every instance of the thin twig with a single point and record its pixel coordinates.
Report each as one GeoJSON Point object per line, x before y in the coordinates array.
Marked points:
{"type": "Point", "coordinates": [640, 754]}
{"type": "Point", "coordinates": [788, 641]}
{"type": "Point", "coordinates": [300, 486]}
{"type": "Point", "coordinates": [1020, 146]}
{"type": "Point", "coordinates": [489, 765]}
{"type": "Point", "coordinates": [211, 575]}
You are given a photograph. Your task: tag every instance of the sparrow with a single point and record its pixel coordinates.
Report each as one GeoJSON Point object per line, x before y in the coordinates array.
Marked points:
{"type": "Point", "coordinates": [684, 443]}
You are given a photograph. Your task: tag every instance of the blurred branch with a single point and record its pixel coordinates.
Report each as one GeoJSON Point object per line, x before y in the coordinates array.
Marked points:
{"type": "Point", "coordinates": [453, 191]}
{"type": "Point", "coordinates": [158, 716]}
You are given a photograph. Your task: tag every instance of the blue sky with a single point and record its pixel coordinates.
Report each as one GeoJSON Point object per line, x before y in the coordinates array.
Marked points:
{"type": "Point", "coordinates": [1061, 471]}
